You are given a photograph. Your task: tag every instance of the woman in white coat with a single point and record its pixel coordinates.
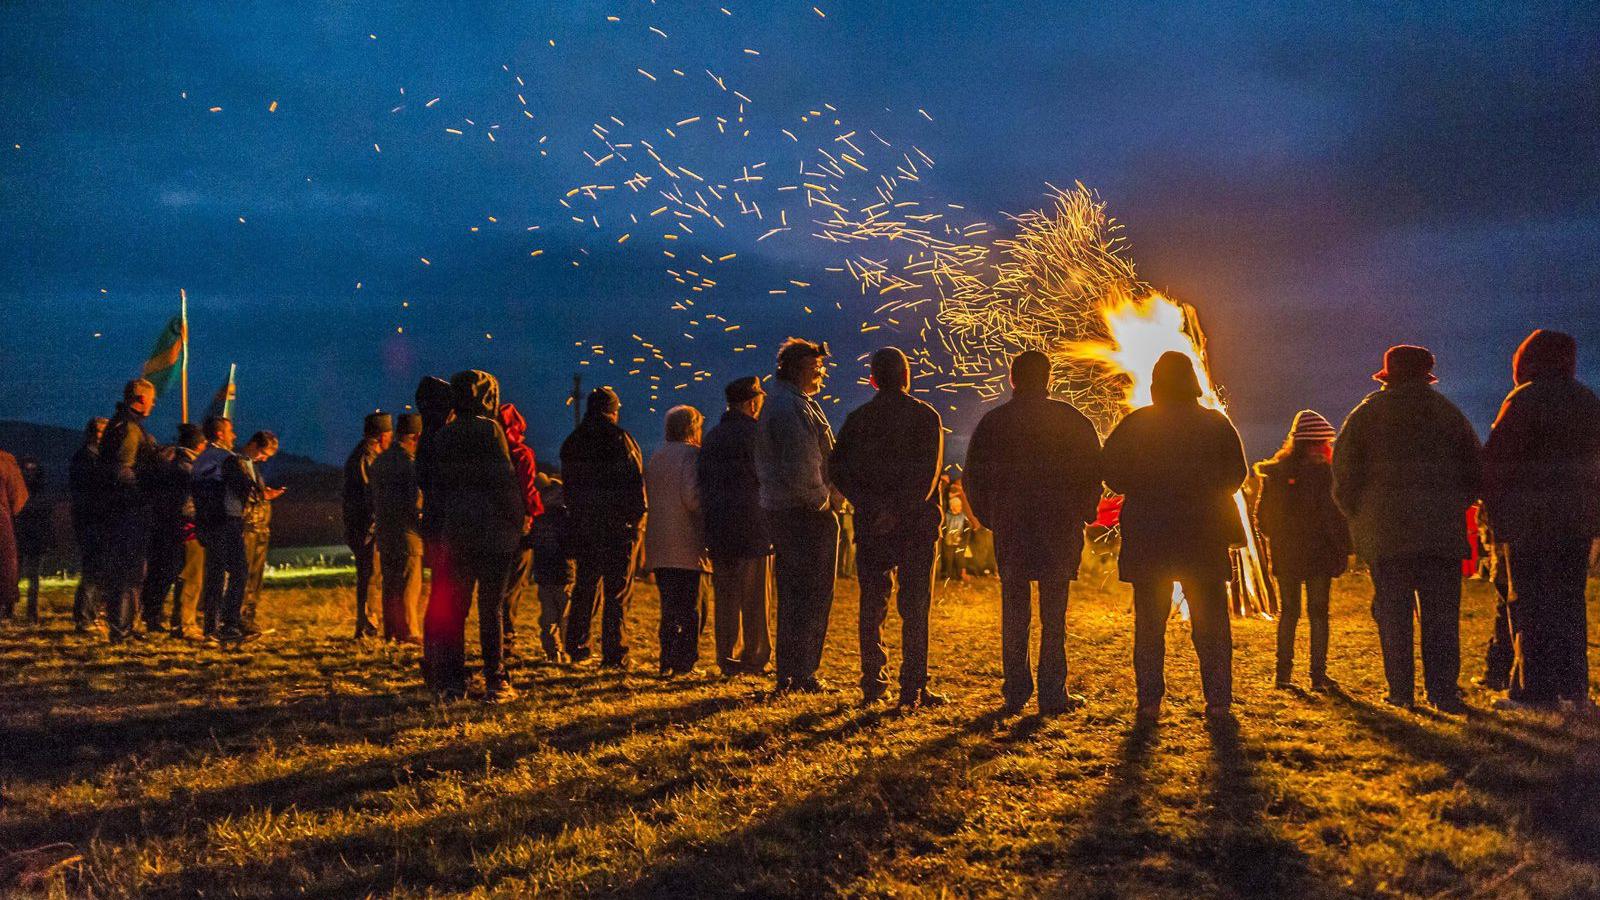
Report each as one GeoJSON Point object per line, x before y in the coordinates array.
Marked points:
{"type": "Point", "coordinates": [674, 539]}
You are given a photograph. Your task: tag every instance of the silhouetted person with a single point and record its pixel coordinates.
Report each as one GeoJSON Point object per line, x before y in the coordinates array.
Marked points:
{"type": "Point", "coordinates": [1033, 477]}
{"type": "Point", "coordinates": [1542, 491]}
{"type": "Point", "coordinates": [481, 514]}
{"type": "Point", "coordinates": [397, 515]}
{"type": "Point", "coordinates": [553, 567]}
{"type": "Point", "coordinates": [359, 532]}
{"type": "Point", "coordinates": [13, 498]}
{"type": "Point", "coordinates": [887, 463]}
{"type": "Point", "coordinates": [127, 456]}
{"type": "Point", "coordinates": [85, 500]}
{"type": "Point", "coordinates": [224, 486]}
{"type": "Point", "coordinates": [674, 541]}
{"type": "Point", "coordinates": [1307, 538]}
{"type": "Point", "coordinates": [793, 440]}
{"type": "Point", "coordinates": [172, 532]}
{"type": "Point", "coordinates": [736, 533]}
{"type": "Point", "coordinates": [1405, 468]}
{"type": "Point", "coordinates": [527, 469]}
{"type": "Point", "coordinates": [603, 479]}
{"type": "Point", "coordinates": [1178, 465]}
{"type": "Point", "coordinates": [262, 446]}
{"type": "Point", "coordinates": [35, 534]}
{"type": "Point", "coordinates": [435, 402]}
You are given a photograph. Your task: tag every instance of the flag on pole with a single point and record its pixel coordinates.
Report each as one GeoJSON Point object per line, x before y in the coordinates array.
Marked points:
{"type": "Point", "coordinates": [168, 352]}
{"type": "Point", "coordinates": [222, 401]}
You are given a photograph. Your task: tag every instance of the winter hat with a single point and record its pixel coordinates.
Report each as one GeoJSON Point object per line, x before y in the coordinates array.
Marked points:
{"type": "Point", "coordinates": [602, 401]}
{"type": "Point", "coordinates": [1173, 379]}
{"type": "Point", "coordinates": [1406, 361]}
{"type": "Point", "coordinates": [1309, 425]}
{"type": "Point", "coordinates": [377, 423]}
{"type": "Point", "coordinates": [743, 389]}
{"type": "Point", "coordinates": [410, 423]}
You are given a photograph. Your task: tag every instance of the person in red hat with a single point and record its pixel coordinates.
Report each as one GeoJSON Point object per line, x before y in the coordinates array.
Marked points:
{"type": "Point", "coordinates": [1406, 466]}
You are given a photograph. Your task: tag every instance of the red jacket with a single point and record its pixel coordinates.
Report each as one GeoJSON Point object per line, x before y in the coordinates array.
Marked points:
{"type": "Point", "coordinates": [521, 458]}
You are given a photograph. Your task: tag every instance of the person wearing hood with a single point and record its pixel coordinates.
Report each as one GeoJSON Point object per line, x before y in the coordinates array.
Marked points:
{"type": "Point", "coordinates": [1542, 494]}
{"type": "Point", "coordinates": [736, 533]}
{"type": "Point", "coordinates": [674, 539]}
{"type": "Point", "coordinates": [84, 501]}
{"type": "Point", "coordinates": [13, 498]}
{"type": "Point", "coordinates": [1033, 476]}
{"type": "Point", "coordinates": [128, 455]}
{"type": "Point", "coordinates": [527, 468]}
{"type": "Point", "coordinates": [377, 431]}
{"type": "Point", "coordinates": [480, 510]}
{"type": "Point", "coordinates": [1178, 465]}
{"type": "Point", "coordinates": [1406, 466]}
{"type": "Point", "coordinates": [603, 480]}
{"type": "Point", "coordinates": [396, 512]}
{"type": "Point", "coordinates": [1308, 538]}
{"type": "Point", "coordinates": [887, 463]}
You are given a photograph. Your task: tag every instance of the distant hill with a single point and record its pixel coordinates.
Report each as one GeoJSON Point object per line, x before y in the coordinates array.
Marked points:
{"type": "Point", "coordinates": [306, 516]}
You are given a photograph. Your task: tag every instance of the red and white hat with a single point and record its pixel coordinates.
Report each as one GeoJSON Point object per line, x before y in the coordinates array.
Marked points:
{"type": "Point", "coordinates": [1309, 425]}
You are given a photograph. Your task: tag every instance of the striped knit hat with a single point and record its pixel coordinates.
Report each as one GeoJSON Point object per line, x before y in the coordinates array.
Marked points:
{"type": "Point", "coordinates": [1310, 426]}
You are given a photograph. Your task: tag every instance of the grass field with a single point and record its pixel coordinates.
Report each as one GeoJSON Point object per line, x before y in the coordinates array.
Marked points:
{"type": "Point", "coordinates": [311, 764]}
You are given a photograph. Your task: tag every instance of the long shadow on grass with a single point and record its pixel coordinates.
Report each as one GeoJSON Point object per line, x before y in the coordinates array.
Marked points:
{"type": "Point", "coordinates": [438, 853]}
{"type": "Point", "coordinates": [1551, 795]}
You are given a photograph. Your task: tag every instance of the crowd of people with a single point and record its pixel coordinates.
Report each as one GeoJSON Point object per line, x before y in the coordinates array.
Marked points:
{"type": "Point", "coordinates": [753, 504]}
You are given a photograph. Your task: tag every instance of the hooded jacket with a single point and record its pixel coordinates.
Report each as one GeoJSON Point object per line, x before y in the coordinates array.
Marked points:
{"type": "Point", "coordinates": [474, 488]}
{"type": "Point", "coordinates": [1406, 466]}
{"type": "Point", "coordinates": [1177, 465]}
{"type": "Point", "coordinates": [522, 459]}
{"type": "Point", "coordinates": [730, 493]}
{"type": "Point", "coordinates": [603, 477]}
{"type": "Point", "coordinates": [1307, 535]}
{"type": "Point", "coordinates": [1542, 459]}
{"type": "Point", "coordinates": [1033, 477]}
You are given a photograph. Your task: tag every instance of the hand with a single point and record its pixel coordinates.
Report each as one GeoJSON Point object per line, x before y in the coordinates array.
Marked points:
{"type": "Point", "coordinates": [274, 493]}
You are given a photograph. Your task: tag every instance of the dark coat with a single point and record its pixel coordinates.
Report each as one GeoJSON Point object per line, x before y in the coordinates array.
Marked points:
{"type": "Point", "coordinates": [1542, 459]}
{"type": "Point", "coordinates": [1307, 535]}
{"type": "Point", "coordinates": [1405, 468]}
{"type": "Point", "coordinates": [886, 461]}
{"type": "Point", "coordinates": [1033, 478]}
{"type": "Point", "coordinates": [434, 401]}
{"type": "Point", "coordinates": [480, 504]}
{"type": "Point", "coordinates": [84, 495]}
{"type": "Point", "coordinates": [730, 492]}
{"type": "Point", "coordinates": [127, 456]}
{"type": "Point", "coordinates": [172, 496]}
{"type": "Point", "coordinates": [357, 488]}
{"type": "Point", "coordinates": [602, 472]}
{"type": "Point", "coordinates": [1177, 465]}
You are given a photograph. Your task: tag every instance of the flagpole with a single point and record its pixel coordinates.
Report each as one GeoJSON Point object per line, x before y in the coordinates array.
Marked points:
{"type": "Point", "coordinates": [183, 370]}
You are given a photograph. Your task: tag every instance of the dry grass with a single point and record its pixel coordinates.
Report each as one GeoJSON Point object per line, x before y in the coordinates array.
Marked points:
{"type": "Point", "coordinates": [312, 764]}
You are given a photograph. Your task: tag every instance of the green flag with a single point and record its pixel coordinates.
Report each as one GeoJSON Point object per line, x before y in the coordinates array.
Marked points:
{"type": "Point", "coordinates": [164, 359]}
{"type": "Point", "coordinates": [222, 401]}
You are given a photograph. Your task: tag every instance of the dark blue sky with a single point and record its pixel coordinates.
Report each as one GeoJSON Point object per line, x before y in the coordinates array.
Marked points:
{"type": "Point", "coordinates": [1319, 183]}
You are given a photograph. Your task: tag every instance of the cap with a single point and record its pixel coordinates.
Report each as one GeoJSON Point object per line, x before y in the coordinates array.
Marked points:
{"type": "Point", "coordinates": [741, 390]}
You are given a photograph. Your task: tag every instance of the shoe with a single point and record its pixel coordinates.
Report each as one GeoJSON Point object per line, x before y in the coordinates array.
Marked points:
{"type": "Point", "coordinates": [500, 693]}
{"type": "Point", "coordinates": [1401, 703]}
{"type": "Point", "coordinates": [1012, 708]}
{"type": "Point", "coordinates": [1061, 707]}
{"type": "Point", "coordinates": [1491, 684]}
{"type": "Point", "coordinates": [1581, 709]}
{"type": "Point", "coordinates": [1283, 684]}
{"type": "Point", "coordinates": [1506, 703]}
{"type": "Point", "coordinates": [927, 699]}
{"type": "Point", "coordinates": [1322, 684]}
{"type": "Point", "coordinates": [814, 685]}
{"type": "Point", "coordinates": [580, 656]}
{"type": "Point", "coordinates": [875, 693]}
{"type": "Point", "coordinates": [450, 695]}
{"type": "Point", "coordinates": [1148, 713]}
{"type": "Point", "coordinates": [1450, 706]}
{"type": "Point", "coordinates": [1220, 715]}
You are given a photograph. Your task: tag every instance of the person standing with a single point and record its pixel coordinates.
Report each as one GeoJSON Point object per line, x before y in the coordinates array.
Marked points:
{"type": "Point", "coordinates": [887, 463]}
{"type": "Point", "coordinates": [127, 458]}
{"type": "Point", "coordinates": [1542, 491]}
{"type": "Point", "coordinates": [553, 567]}
{"type": "Point", "coordinates": [376, 434]}
{"type": "Point", "coordinates": [736, 533]}
{"type": "Point", "coordinates": [262, 446]}
{"type": "Point", "coordinates": [955, 539]}
{"type": "Point", "coordinates": [674, 539]}
{"type": "Point", "coordinates": [1033, 476]}
{"type": "Point", "coordinates": [172, 533]}
{"type": "Point", "coordinates": [793, 441]}
{"type": "Point", "coordinates": [603, 474]}
{"type": "Point", "coordinates": [527, 469]}
{"type": "Point", "coordinates": [13, 498]}
{"type": "Point", "coordinates": [35, 534]}
{"type": "Point", "coordinates": [1406, 466]}
{"type": "Point", "coordinates": [435, 401]}
{"type": "Point", "coordinates": [85, 499]}
{"type": "Point", "coordinates": [397, 516]}
{"type": "Point", "coordinates": [222, 487]}
{"type": "Point", "coordinates": [1178, 465]}
{"type": "Point", "coordinates": [481, 515]}
{"type": "Point", "coordinates": [1308, 538]}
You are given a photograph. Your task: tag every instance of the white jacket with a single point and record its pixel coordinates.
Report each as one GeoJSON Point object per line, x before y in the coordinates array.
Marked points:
{"type": "Point", "coordinates": [673, 534]}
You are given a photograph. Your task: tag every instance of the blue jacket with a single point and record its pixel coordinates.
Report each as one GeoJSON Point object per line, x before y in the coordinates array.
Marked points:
{"type": "Point", "coordinates": [793, 440]}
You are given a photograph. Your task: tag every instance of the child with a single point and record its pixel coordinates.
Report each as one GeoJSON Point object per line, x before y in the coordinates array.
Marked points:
{"type": "Point", "coordinates": [1308, 538]}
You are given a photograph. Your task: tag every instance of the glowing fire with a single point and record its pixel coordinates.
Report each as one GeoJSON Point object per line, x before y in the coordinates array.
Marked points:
{"type": "Point", "coordinates": [1140, 330]}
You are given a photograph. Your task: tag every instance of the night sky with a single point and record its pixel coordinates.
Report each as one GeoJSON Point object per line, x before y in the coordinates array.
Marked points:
{"type": "Point", "coordinates": [1319, 184]}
